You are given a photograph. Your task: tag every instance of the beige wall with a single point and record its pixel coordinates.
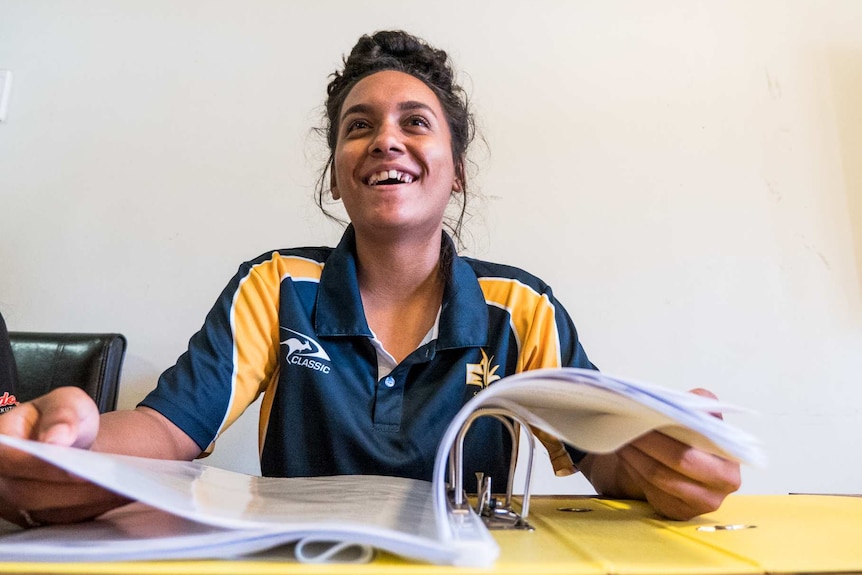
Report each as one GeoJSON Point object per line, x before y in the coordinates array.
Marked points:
{"type": "Point", "coordinates": [687, 175]}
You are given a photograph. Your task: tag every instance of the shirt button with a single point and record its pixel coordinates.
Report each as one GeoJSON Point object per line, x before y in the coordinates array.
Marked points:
{"type": "Point", "coordinates": [389, 381]}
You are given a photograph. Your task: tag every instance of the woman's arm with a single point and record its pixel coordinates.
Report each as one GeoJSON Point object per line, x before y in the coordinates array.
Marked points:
{"type": "Point", "coordinates": [67, 416]}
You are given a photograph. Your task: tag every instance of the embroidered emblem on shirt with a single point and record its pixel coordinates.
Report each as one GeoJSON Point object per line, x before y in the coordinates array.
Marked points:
{"type": "Point", "coordinates": [304, 351]}
{"type": "Point", "coordinates": [482, 374]}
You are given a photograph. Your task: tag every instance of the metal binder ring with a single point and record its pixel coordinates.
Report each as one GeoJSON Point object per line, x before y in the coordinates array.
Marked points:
{"type": "Point", "coordinates": [456, 459]}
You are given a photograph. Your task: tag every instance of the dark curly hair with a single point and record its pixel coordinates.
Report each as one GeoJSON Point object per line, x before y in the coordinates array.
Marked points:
{"type": "Point", "coordinates": [397, 50]}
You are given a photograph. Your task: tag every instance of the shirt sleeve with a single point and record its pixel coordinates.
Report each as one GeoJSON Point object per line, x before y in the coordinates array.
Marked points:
{"type": "Point", "coordinates": [8, 370]}
{"type": "Point", "coordinates": [571, 353]}
{"type": "Point", "coordinates": [229, 362]}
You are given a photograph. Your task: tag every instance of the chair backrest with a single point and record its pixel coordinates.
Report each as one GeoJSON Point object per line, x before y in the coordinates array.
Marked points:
{"type": "Point", "coordinates": [91, 361]}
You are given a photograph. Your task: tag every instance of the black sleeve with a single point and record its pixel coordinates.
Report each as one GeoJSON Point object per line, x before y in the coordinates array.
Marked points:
{"type": "Point", "coordinates": [8, 371]}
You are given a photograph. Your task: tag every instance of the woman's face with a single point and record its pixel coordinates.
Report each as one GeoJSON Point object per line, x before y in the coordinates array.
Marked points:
{"type": "Point", "coordinates": [393, 165]}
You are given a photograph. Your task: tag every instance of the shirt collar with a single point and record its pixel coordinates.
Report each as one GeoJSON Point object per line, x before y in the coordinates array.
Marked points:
{"type": "Point", "coordinates": [463, 317]}
{"type": "Point", "coordinates": [339, 305]}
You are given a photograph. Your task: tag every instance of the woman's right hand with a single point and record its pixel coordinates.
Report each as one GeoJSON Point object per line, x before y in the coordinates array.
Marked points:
{"type": "Point", "coordinates": [33, 492]}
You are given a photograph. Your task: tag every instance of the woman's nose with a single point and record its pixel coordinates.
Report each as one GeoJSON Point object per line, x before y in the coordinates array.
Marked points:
{"type": "Point", "coordinates": [387, 140]}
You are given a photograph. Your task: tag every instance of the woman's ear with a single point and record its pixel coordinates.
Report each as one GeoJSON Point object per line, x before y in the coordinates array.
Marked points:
{"type": "Point", "coordinates": [457, 186]}
{"type": "Point", "coordinates": [333, 188]}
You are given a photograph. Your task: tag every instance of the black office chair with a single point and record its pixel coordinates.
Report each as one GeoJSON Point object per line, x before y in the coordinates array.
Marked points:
{"type": "Point", "coordinates": [91, 361]}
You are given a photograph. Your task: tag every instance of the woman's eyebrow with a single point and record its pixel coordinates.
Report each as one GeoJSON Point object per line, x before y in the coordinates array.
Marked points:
{"type": "Point", "coordinates": [415, 105]}
{"type": "Point", "coordinates": [402, 106]}
{"type": "Point", "coordinates": [356, 109]}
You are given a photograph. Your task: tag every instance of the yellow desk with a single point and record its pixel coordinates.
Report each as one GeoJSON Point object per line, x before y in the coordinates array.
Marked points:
{"type": "Point", "coordinates": [781, 534]}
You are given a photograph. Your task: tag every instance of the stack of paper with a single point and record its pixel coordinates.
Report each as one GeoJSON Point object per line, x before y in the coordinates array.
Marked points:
{"type": "Point", "coordinates": [195, 511]}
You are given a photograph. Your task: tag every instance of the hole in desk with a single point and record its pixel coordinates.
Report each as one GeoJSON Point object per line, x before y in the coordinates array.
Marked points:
{"type": "Point", "coordinates": [574, 509]}
{"type": "Point", "coordinates": [729, 527]}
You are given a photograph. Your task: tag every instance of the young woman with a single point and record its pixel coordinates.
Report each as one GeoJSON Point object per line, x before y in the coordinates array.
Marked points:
{"type": "Point", "coordinates": [365, 351]}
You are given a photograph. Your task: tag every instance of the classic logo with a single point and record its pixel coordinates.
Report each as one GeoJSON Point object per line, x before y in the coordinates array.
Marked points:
{"type": "Point", "coordinates": [482, 374]}
{"type": "Point", "coordinates": [305, 352]}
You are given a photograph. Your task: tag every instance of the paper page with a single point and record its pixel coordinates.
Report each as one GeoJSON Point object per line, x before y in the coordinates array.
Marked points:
{"type": "Point", "coordinates": [135, 532]}
{"type": "Point", "coordinates": [391, 513]}
{"type": "Point", "coordinates": [599, 413]}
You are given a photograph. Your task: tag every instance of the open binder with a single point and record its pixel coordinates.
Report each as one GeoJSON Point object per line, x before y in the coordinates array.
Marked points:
{"type": "Point", "coordinates": [191, 510]}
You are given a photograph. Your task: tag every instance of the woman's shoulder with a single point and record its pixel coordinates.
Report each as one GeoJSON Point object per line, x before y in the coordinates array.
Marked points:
{"type": "Point", "coordinates": [486, 270]}
{"type": "Point", "coordinates": [317, 254]}
{"type": "Point", "coordinates": [277, 264]}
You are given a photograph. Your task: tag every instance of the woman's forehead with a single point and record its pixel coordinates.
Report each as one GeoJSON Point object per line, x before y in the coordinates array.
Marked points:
{"type": "Point", "coordinates": [390, 88]}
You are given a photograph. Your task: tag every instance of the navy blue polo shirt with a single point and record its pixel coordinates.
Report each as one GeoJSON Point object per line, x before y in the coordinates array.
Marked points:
{"type": "Point", "coordinates": [291, 325]}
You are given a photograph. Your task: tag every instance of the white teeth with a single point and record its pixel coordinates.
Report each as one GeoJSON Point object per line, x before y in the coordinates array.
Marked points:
{"type": "Point", "coordinates": [389, 175]}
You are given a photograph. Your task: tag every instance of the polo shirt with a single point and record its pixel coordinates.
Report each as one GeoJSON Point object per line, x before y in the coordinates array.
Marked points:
{"type": "Point", "coordinates": [290, 325]}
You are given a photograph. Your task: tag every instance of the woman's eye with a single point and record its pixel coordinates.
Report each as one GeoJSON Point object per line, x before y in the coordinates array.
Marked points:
{"type": "Point", "coordinates": [418, 121]}
{"type": "Point", "coordinates": [357, 125]}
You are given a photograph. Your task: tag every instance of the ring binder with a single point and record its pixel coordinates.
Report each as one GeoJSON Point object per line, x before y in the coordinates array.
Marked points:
{"type": "Point", "coordinates": [203, 511]}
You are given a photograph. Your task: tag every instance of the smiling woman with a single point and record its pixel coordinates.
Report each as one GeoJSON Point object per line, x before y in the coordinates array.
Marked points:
{"type": "Point", "coordinates": [364, 352]}
{"type": "Point", "coordinates": [393, 124]}
{"type": "Point", "coordinates": [397, 51]}
{"type": "Point", "coordinates": [393, 165]}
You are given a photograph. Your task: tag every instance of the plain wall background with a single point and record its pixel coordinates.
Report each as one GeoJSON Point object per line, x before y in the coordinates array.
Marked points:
{"type": "Point", "coordinates": [686, 175]}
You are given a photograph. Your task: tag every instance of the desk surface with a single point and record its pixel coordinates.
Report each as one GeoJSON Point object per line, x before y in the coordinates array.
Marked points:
{"type": "Point", "coordinates": [749, 534]}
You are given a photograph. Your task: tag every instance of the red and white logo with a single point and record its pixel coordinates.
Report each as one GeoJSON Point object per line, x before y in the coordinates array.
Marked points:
{"type": "Point", "coordinates": [7, 401]}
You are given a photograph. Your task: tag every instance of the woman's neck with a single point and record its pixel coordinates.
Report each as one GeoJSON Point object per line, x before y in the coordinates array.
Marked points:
{"type": "Point", "coordinates": [401, 266]}
{"type": "Point", "coordinates": [401, 288]}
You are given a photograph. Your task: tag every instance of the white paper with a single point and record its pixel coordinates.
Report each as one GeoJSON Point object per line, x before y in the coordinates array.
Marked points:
{"type": "Point", "coordinates": [390, 513]}
{"type": "Point", "coordinates": [204, 511]}
{"type": "Point", "coordinates": [137, 531]}
{"type": "Point", "coordinates": [597, 412]}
